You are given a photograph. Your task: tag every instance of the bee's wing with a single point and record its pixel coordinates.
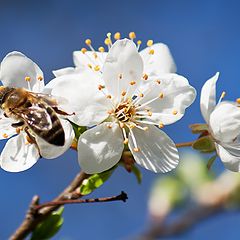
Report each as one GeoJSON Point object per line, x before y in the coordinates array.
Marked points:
{"type": "Point", "coordinates": [37, 117]}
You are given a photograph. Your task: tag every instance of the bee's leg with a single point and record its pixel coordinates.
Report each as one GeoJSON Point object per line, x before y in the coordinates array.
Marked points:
{"type": "Point", "coordinates": [31, 139]}
{"type": "Point", "coordinates": [18, 124]}
{"type": "Point", "coordinates": [61, 112]}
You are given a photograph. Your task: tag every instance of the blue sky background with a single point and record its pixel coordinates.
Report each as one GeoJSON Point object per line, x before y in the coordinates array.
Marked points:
{"type": "Point", "coordinates": [204, 38]}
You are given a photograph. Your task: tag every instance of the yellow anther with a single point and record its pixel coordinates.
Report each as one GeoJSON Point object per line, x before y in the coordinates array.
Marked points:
{"type": "Point", "coordinates": [125, 141]}
{"type": "Point", "coordinates": [18, 130]}
{"type": "Point", "coordinates": [117, 36]}
{"type": "Point", "coordinates": [124, 93]}
{"type": "Point", "coordinates": [95, 55]}
{"type": "Point", "coordinates": [132, 35]}
{"type": "Point", "coordinates": [151, 52]}
{"type": "Point", "coordinates": [88, 42]}
{"type": "Point", "coordinates": [238, 100]}
{"type": "Point", "coordinates": [145, 128]}
{"type": "Point", "coordinates": [109, 126]}
{"type": "Point", "coordinates": [90, 66]}
{"type": "Point", "coordinates": [149, 114]}
{"type": "Point", "coordinates": [139, 42]}
{"type": "Point", "coordinates": [160, 125]}
{"type": "Point", "coordinates": [40, 78]}
{"type": "Point", "coordinates": [97, 68]}
{"type": "Point", "coordinates": [101, 49]}
{"type": "Point", "coordinates": [100, 87]}
{"type": "Point", "coordinates": [149, 43]}
{"type": "Point", "coordinates": [83, 50]}
{"type": "Point", "coordinates": [132, 125]}
{"type": "Point", "coordinates": [141, 95]}
{"type": "Point", "coordinates": [109, 96]}
{"type": "Point", "coordinates": [120, 76]}
{"type": "Point", "coordinates": [132, 83]}
{"type": "Point", "coordinates": [223, 95]}
{"type": "Point", "coordinates": [175, 112]}
{"type": "Point", "coordinates": [161, 95]}
{"type": "Point", "coordinates": [145, 76]}
{"type": "Point", "coordinates": [107, 41]}
{"type": "Point", "coordinates": [29, 140]}
{"type": "Point", "coordinates": [136, 149]}
{"type": "Point", "coordinates": [5, 135]}
{"type": "Point", "coordinates": [158, 81]}
{"type": "Point", "coordinates": [121, 125]}
{"type": "Point", "coordinates": [28, 79]}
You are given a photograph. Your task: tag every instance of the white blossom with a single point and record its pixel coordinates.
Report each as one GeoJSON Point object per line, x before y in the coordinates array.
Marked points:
{"type": "Point", "coordinates": [18, 71]}
{"type": "Point", "coordinates": [125, 96]}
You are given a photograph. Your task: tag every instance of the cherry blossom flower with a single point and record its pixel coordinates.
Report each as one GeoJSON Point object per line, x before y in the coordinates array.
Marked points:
{"type": "Point", "coordinates": [125, 97]}
{"type": "Point", "coordinates": [19, 154]}
{"type": "Point", "coordinates": [223, 119]}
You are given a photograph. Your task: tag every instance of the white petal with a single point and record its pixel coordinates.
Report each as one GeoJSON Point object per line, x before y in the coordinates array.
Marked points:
{"type": "Point", "coordinates": [123, 65]}
{"type": "Point", "coordinates": [177, 96]}
{"type": "Point", "coordinates": [160, 62]}
{"type": "Point", "coordinates": [64, 71]}
{"type": "Point", "coordinates": [208, 97]}
{"type": "Point", "coordinates": [6, 129]}
{"type": "Point", "coordinates": [50, 151]}
{"type": "Point", "coordinates": [230, 161]}
{"type": "Point", "coordinates": [18, 156]}
{"type": "Point", "coordinates": [82, 60]}
{"type": "Point", "coordinates": [100, 148]}
{"type": "Point", "coordinates": [15, 67]}
{"type": "Point", "coordinates": [158, 152]}
{"type": "Point", "coordinates": [225, 122]}
{"type": "Point", "coordinates": [84, 99]}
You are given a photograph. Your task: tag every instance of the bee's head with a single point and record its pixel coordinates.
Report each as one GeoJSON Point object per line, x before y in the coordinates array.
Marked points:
{"type": "Point", "coordinates": [3, 92]}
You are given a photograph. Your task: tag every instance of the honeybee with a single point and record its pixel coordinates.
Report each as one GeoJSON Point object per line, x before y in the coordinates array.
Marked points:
{"type": "Point", "coordinates": [36, 113]}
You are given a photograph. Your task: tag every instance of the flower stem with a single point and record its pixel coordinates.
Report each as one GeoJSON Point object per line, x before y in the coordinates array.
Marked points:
{"type": "Point", "coordinates": [184, 144]}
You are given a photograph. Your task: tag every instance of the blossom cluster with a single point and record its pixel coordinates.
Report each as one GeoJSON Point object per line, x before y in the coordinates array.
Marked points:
{"type": "Point", "coordinates": [123, 97]}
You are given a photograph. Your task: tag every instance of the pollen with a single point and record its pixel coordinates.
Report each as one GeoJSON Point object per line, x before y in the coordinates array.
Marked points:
{"type": "Point", "coordinates": [40, 78]}
{"type": "Point", "coordinates": [141, 95]}
{"type": "Point", "coordinates": [132, 35]}
{"type": "Point", "coordinates": [123, 93]}
{"type": "Point", "coordinates": [160, 125]}
{"type": "Point", "coordinates": [125, 141]}
{"type": "Point", "coordinates": [109, 96]}
{"type": "Point", "coordinates": [151, 52]}
{"type": "Point", "coordinates": [107, 41]}
{"type": "Point", "coordinates": [90, 66]}
{"type": "Point", "coordinates": [101, 49]}
{"type": "Point", "coordinates": [175, 112]}
{"type": "Point", "coordinates": [161, 95]}
{"type": "Point", "coordinates": [28, 79]}
{"type": "Point", "coordinates": [139, 42]}
{"type": "Point", "coordinates": [158, 81]}
{"type": "Point", "coordinates": [97, 68]}
{"type": "Point", "coordinates": [145, 76]}
{"type": "Point", "coordinates": [5, 135]}
{"type": "Point", "coordinates": [149, 43]}
{"type": "Point", "coordinates": [136, 149]}
{"type": "Point", "coordinates": [132, 83]}
{"type": "Point", "coordinates": [238, 100]}
{"type": "Point", "coordinates": [100, 87]}
{"type": "Point", "coordinates": [83, 50]}
{"type": "Point", "coordinates": [117, 36]}
{"type": "Point", "coordinates": [88, 42]}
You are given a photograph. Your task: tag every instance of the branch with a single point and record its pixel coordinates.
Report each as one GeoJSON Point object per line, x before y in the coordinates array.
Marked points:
{"type": "Point", "coordinates": [121, 197]}
{"type": "Point", "coordinates": [34, 217]}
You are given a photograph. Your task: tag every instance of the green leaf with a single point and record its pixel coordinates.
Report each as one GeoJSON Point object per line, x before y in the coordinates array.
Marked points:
{"type": "Point", "coordinates": [211, 161]}
{"type": "Point", "coordinates": [95, 181]}
{"type": "Point", "coordinates": [137, 173]}
{"type": "Point", "coordinates": [49, 227]}
{"type": "Point", "coordinates": [198, 128]}
{"type": "Point", "coordinates": [78, 130]}
{"type": "Point", "coordinates": [204, 144]}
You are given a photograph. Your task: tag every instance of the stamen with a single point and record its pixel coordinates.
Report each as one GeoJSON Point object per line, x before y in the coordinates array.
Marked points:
{"type": "Point", "coordinates": [97, 68]}
{"type": "Point", "coordinates": [83, 50]}
{"type": "Point", "coordinates": [149, 43]}
{"type": "Point", "coordinates": [90, 66]}
{"type": "Point", "coordinates": [109, 96]}
{"type": "Point", "coordinates": [139, 42]}
{"type": "Point", "coordinates": [18, 130]}
{"type": "Point", "coordinates": [221, 97]}
{"type": "Point", "coordinates": [149, 113]}
{"type": "Point", "coordinates": [88, 42]}
{"type": "Point", "coordinates": [160, 125]}
{"type": "Point", "coordinates": [151, 52]}
{"type": "Point", "coordinates": [175, 112]}
{"type": "Point", "coordinates": [40, 78]}
{"type": "Point", "coordinates": [132, 83]}
{"type": "Point", "coordinates": [120, 76]}
{"type": "Point", "coordinates": [101, 49]}
{"type": "Point", "coordinates": [145, 76]}
{"type": "Point", "coordinates": [125, 136]}
{"type": "Point", "coordinates": [142, 128]}
{"type": "Point", "coordinates": [117, 36]}
{"type": "Point", "coordinates": [132, 35]}
{"type": "Point", "coordinates": [135, 149]}
{"type": "Point", "coordinates": [158, 81]}
{"type": "Point", "coordinates": [5, 135]}
{"type": "Point", "coordinates": [27, 79]}
{"type": "Point", "coordinates": [109, 126]}
{"type": "Point", "coordinates": [148, 102]}
{"type": "Point", "coordinates": [100, 87]}
{"type": "Point", "coordinates": [161, 95]}
{"type": "Point", "coordinates": [141, 95]}
{"type": "Point", "coordinates": [238, 100]}
{"type": "Point", "coordinates": [123, 93]}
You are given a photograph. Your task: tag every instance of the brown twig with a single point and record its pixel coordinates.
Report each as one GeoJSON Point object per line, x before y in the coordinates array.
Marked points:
{"type": "Point", "coordinates": [34, 217]}
{"type": "Point", "coordinates": [121, 197]}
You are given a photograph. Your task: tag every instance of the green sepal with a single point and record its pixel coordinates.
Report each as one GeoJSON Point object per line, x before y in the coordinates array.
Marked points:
{"type": "Point", "coordinates": [211, 161]}
{"type": "Point", "coordinates": [49, 227]}
{"type": "Point", "coordinates": [137, 173]}
{"type": "Point", "coordinates": [198, 128]}
{"type": "Point", "coordinates": [95, 181]}
{"type": "Point", "coordinates": [204, 144]}
{"type": "Point", "coordinates": [78, 130]}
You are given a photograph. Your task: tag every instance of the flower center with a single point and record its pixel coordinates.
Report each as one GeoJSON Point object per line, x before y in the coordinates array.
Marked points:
{"type": "Point", "coordinates": [125, 111]}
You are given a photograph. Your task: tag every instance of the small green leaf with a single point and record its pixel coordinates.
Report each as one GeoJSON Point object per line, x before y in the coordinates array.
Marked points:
{"type": "Point", "coordinates": [137, 173]}
{"type": "Point", "coordinates": [198, 128]}
{"type": "Point", "coordinates": [49, 227]}
{"type": "Point", "coordinates": [95, 181]}
{"type": "Point", "coordinates": [78, 130]}
{"type": "Point", "coordinates": [211, 161]}
{"type": "Point", "coordinates": [204, 144]}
